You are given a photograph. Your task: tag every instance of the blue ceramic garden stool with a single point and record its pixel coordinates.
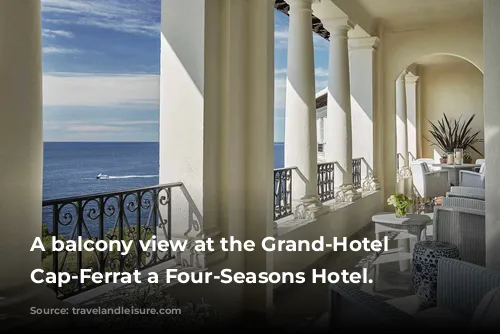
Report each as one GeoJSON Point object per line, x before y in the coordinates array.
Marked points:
{"type": "Point", "coordinates": [426, 255]}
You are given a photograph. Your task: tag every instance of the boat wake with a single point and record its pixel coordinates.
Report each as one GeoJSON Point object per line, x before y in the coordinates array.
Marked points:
{"type": "Point", "coordinates": [131, 176]}
{"type": "Point", "coordinates": [108, 177]}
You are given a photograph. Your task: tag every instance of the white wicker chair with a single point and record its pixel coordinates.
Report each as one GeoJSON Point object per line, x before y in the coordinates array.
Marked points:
{"type": "Point", "coordinates": [467, 192]}
{"type": "Point", "coordinates": [463, 202]}
{"type": "Point", "coordinates": [464, 228]}
{"type": "Point", "coordinates": [429, 163]}
{"type": "Point", "coordinates": [427, 183]}
{"type": "Point", "coordinates": [473, 179]}
{"type": "Point", "coordinates": [479, 162]}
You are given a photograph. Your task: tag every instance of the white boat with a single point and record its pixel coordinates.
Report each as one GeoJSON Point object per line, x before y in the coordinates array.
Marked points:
{"type": "Point", "coordinates": [101, 176]}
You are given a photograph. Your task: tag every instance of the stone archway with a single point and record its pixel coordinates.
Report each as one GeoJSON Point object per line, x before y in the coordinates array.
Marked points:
{"type": "Point", "coordinates": [447, 84]}
{"type": "Point", "coordinates": [400, 49]}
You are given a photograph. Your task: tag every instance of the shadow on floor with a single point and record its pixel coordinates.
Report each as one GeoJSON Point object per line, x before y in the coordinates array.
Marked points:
{"type": "Point", "coordinates": [305, 306]}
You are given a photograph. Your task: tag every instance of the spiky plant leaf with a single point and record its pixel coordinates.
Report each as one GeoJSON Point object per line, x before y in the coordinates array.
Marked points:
{"type": "Point", "coordinates": [449, 134]}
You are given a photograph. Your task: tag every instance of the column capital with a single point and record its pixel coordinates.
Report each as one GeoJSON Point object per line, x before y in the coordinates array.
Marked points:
{"type": "Point", "coordinates": [411, 78]}
{"type": "Point", "coordinates": [300, 4]}
{"type": "Point", "coordinates": [402, 76]}
{"type": "Point", "coordinates": [338, 27]}
{"type": "Point", "coordinates": [364, 43]}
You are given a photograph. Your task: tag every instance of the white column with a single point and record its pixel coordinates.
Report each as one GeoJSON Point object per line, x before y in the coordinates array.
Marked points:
{"type": "Point", "coordinates": [318, 133]}
{"type": "Point", "coordinates": [404, 184]}
{"type": "Point", "coordinates": [412, 109]}
{"type": "Point", "coordinates": [216, 136]}
{"type": "Point", "coordinates": [321, 129]}
{"type": "Point", "coordinates": [491, 45]}
{"type": "Point", "coordinates": [339, 123]}
{"type": "Point", "coordinates": [21, 156]}
{"type": "Point", "coordinates": [188, 139]}
{"type": "Point", "coordinates": [300, 121]}
{"type": "Point", "coordinates": [401, 120]}
{"type": "Point", "coordinates": [364, 105]}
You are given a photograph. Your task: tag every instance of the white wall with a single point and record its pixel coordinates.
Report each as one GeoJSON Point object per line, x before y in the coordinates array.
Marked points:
{"type": "Point", "coordinates": [361, 60]}
{"type": "Point", "coordinates": [343, 222]}
{"type": "Point", "coordinates": [454, 88]}
{"type": "Point", "coordinates": [21, 146]}
{"type": "Point", "coordinates": [492, 129]}
{"type": "Point", "coordinates": [216, 133]}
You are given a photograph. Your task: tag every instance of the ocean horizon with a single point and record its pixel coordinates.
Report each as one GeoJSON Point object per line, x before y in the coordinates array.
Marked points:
{"type": "Point", "coordinates": [70, 168]}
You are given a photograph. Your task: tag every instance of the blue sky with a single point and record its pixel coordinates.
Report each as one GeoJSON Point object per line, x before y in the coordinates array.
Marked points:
{"type": "Point", "coordinates": [101, 63]}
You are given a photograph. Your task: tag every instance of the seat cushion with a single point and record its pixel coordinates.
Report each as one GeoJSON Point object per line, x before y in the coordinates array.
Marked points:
{"type": "Point", "coordinates": [440, 317]}
{"type": "Point", "coordinates": [487, 312]}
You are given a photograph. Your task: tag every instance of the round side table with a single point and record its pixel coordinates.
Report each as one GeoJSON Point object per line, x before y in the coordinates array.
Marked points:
{"type": "Point", "coordinates": [426, 255]}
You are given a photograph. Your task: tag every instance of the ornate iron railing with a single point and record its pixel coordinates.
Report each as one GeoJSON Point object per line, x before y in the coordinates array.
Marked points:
{"type": "Point", "coordinates": [356, 172]}
{"type": "Point", "coordinates": [326, 180]}
{"type": "Point", "coordinates": [130, 215]}
{"type": "Point", "coordinates": [400, 160]}
{"type": "Point", "coordinates": [283, 192]}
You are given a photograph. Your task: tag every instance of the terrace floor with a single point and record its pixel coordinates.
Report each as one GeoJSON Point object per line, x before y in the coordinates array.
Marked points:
{"type": "Point", "coordinates": [305, 306]}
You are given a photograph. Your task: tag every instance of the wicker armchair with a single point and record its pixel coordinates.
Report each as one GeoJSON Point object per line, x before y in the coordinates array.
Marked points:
{"type": "Point", "coordinates": [464, 202]}
{"type": "Point", "coordinates": [473, 179]}
{"type": "Point", "coordinates": [464, 228]}
{"type": "Point", "coordinates": [427, 183]}
{"type": "Point", "coordinates": [467, 192]}
{"type": "Point", "coordinates": [461, 287]}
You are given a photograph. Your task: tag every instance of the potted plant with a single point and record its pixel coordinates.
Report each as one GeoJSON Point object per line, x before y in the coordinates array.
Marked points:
{"type": "Point", "coordinates": [450, 134]}
{"type": "Point", "coordinates": [401, 202]}
{"type": "Point", "coordinates": [443, 159]}
{"type": "Point", "coordinates": [467, 158]}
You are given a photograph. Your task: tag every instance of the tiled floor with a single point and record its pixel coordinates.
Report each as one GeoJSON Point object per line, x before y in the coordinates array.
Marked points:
{"type": "Point", "coordinates": [306, 305]}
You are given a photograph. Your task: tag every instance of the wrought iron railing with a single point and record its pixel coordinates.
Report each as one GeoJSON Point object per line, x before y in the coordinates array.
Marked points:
{"type": "Point", "coordinates": [131, 215]}
{"type": "Point", "coordinates": [356, 172]}
{"type": "Point", "coordinates": [400, 160]}
{"type": "Point", "coordinates": [283, 192]}
{"type": "Point", "coordinates": [326, 185]}
{"type": "Point", "coordinates": [326, 180]}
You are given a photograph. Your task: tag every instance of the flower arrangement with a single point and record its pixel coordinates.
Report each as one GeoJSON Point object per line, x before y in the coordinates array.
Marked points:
{"type": "Point", "coordinates": [401, 202]}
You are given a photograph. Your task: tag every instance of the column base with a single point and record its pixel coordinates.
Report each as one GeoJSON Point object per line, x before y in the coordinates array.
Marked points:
{"type": "Point", "coordinates": [310, 208]}
{"type": "Point", "coordinates": [275, 229]}
{"type": "Point", "coordinates": [347, 194]}
{"type": "Point", "coordinates": [404, 173]}
{"type": "Point", "coordinates": [371, 184]}
{"type": "Point", "coordinates": [193, 258]}
{"type": "Point", "coordinates": [16, 305]}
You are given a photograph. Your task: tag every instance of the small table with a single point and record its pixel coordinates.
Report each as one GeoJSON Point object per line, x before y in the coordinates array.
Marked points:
{"type": "Point", "coordinates": [425, 263]}
{"type": "Point", "coordinates": [454, 171]}
{"type": "Point", "coordinates": [415, 224]}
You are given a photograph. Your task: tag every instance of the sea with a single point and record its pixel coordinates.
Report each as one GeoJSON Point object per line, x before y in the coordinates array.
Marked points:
{"type": "Point", "coordinates": [70, 168]}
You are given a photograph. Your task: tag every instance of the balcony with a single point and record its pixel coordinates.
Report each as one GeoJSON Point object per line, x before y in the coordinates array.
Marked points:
{"type": "Point", "coordinates": [136, 216]}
